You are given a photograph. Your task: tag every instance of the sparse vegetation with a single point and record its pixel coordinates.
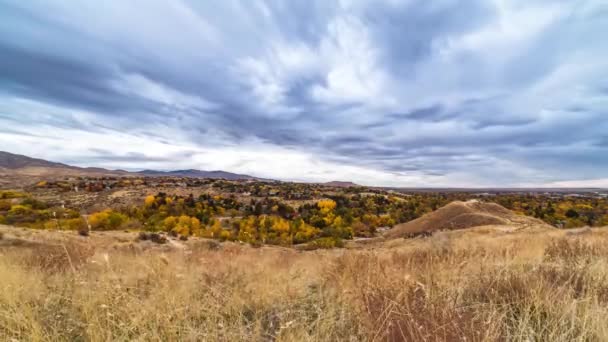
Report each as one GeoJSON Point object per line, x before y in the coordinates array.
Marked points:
{"type": "Point", "coordinates": [449, 287]}
{"type": "Point", "coordinates": [266, 213]}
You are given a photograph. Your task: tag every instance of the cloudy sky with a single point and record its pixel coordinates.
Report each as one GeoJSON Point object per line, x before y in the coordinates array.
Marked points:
{"type": "Point", "coordinates": [400, 93]}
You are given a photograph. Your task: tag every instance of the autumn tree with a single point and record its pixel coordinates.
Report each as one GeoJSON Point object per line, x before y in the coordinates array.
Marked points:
{"type": "Point", "coordinates": [107, 220]}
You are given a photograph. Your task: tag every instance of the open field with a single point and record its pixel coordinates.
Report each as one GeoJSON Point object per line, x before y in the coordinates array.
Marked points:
{"type": "Point", "coordinates": [478, 284]}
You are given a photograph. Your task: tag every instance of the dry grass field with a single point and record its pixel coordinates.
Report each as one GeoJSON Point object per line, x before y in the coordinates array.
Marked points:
{"type": "Point", "coordinates": [480, 284]}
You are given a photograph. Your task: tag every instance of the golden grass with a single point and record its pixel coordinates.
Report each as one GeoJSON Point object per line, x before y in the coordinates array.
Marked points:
{"type": "Point", "coordinates": [474, 286]}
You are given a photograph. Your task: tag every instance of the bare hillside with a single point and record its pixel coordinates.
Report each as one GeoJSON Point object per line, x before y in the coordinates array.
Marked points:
{"type": "Point", "coordinates": [462, 215]}
{"type": "Point", "coordinates": [17, 161]}
{"type": "Point", "coordinates": [18, 170]}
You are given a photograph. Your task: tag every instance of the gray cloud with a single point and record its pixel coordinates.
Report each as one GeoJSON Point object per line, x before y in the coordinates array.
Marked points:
{"type": "Point", "coordinates": [438, 89]}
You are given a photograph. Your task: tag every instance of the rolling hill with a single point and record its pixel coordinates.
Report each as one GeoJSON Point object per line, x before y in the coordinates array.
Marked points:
{"type": "Point", "coordinates": [462, 215]}
{"type": "Point", "coordinates": [192, 173]}
{"type": "Point", "coordinates": [16, 161]}
{"type": "Point", "coordinates": [20, 165]}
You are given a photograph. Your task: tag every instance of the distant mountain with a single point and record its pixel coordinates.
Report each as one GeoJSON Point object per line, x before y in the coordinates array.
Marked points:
{"type": "Point", "coordinates": [341, 184]}
{"type": "Point", "coordinates": [16, 161]}
{"type": "Point", "coordinates": [23, 165]}
{"type": "Point", "coordinates": [198, 174]}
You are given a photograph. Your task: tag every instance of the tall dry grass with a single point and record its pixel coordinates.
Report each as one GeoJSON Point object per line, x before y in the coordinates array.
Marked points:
{"type": "Point", "coordinates": [444, 288]}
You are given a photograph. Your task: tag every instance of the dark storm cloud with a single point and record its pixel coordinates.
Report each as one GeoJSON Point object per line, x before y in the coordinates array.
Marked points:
{"type": "Point", "coordinates": [409, 29]}
{"type": "Point", "coordinates": [435, 88]}
{"type": "Point", "coordinates": [427, 113]}
{"type": "Point", "coordinates": [55, 79]}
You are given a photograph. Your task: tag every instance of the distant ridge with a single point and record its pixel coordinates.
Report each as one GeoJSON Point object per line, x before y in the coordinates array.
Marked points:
{"type": "Point", "coordinates": [23, 165]}
{"type": "Point", "coordinates": [192, 173]}
{"type": "Point", "coordinates": [341, 184]}
{"type": "Point", "coordinates": [16, 161]}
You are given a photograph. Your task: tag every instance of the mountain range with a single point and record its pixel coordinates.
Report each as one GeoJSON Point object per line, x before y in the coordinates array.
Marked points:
{"type": "Point", "coordinates": [198, 174]}
{"type": "Point", "coordinates": [18, 169]}
{"type": "Point", "coordinates": [19, 164]}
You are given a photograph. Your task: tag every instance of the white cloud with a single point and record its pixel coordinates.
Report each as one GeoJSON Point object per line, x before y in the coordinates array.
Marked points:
{"type": "Point", "coordinates": [345, 59]}
{"type": "Point", "coordinates": [138, 85]}
{"type": "Point", "coordinates": [352, 70]}
{"type": "Point", "coordinates": [251, 157]}
{"type": "Point", "coordinates": [589, 183]}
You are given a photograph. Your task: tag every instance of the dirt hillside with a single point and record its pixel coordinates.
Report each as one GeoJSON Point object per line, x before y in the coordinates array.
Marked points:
{"type": "Point", "coordinates": [462, 215]}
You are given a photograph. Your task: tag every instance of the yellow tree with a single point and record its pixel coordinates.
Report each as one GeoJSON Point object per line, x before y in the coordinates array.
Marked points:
{"type": "Point", "coordinates": [149, 201]}
{"type": "Point", "coordinates": [195, 226]}
{"type": "Point", "coordinates": [247, 230]}
{"type": "Point", "coordinates": [326, 206]}
{"type": "Point", "coordinates": [280, 229]}
{"type": "Point", "coordinates": [185, 225]}
{"type": "Point", "coordinates": [169, 223]}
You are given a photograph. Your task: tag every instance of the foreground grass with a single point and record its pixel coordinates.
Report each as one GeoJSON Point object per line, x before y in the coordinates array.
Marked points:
{"type": "Point", "coordinates": [520, 287]}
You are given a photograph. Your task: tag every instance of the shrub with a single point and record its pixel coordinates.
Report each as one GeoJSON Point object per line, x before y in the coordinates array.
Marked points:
{"type": "Point", "coordinates": [326, 242]}
{"type": "Point", "coordinates": [150, 201]}
{"type": "Point", "coordinates": [143, 236]}
{"type": "Point", "coordinates": [74, 224]}
{"type": "Point", "coordinates": [19, 209]}
{"type": "Point", "coordinates": [571, 213]}
{"type": "Point", "coordinates": [183, 225]}
{"type": "Point", "coordinates": [154, 237]}
{"type": "Point", "coordinates": [34, 203]}
{"type": "Point", "coordinates": [11, 194]}
{"type": "Point", "coordinates": [107, 220]}
{"type": "Point", "coordinates": [5, 205]}
{"type": "Point", "coordinates": [22, 214]}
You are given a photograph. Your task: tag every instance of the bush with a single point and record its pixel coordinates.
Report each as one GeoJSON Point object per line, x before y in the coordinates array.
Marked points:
{"type": "Point", "coordinates": [326, 243]}
{"type": "Point", "coordinates": [571, 213]}
{"type": "Point", "coordinates": [154, 237]}
{"type": "Point", "coordinates": [34, 204]}
{"type": "Point", "coordinates": [107, 220]}
{"type": "Point", "coordinates": [5, 205]}
{"type": "Point", "coordinates": [20, 210]}
{"type": "Point", "coordinates": [182, 225]}
{"type": "Point", "coordinates": [11, 194]}
{"type": "Point", "coordinates": [73, 224]}
{"type": "Point", "coordinates": [23, 214]}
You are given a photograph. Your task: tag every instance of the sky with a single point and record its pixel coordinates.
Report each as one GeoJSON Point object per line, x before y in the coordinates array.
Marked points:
{"type": "Point", "coordinates": [404, 93]}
